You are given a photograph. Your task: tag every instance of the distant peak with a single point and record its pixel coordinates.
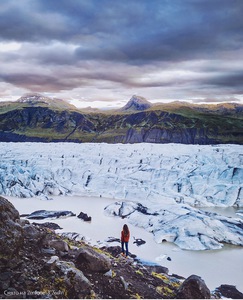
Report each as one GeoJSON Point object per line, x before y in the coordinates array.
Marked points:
{"type": "Point", "coordinates": [137, 103]}
{"type": "Point", "coordinates": [36, 99]}
{"type": "Point", "coordinates": [33, 97]}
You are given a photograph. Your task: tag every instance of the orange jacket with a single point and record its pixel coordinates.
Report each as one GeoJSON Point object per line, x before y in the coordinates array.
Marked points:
{"type": "Point", "coordinates": [125, 237]}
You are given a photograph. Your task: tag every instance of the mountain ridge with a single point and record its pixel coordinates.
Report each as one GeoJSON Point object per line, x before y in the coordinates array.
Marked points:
{"type": "Point", "coordinates": [135, 103]}
{"type": "Point", "coordinates": [35, 118]}
{"type": "Point", "coordinates": [35, 99]}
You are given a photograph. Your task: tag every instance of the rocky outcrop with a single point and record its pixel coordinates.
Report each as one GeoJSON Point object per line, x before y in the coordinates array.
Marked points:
{"type": "Point", "coordinates": [26, 271]}
{"type": "Point", "coordinates": [11, 233]}
{"type": "Point", "coordinates": [229, 291]}
{"type": "Point", "coordinates": [193, 287]}
{"type": "Point", "coordinates": [84, 217]}
{"type": "Point", "coordinates": [73, 279]}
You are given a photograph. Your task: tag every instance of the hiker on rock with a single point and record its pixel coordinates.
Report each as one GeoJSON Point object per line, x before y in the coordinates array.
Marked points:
{"type": "Point", "coordinates": [125, 235]}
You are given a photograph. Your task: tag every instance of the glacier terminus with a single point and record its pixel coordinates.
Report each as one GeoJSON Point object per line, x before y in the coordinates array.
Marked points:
{"type": "Point", "coordinates": [160, 187]}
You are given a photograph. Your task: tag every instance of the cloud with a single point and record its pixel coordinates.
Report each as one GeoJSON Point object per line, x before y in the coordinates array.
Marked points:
{"type": "Point", "coordinates": [217, 100]}
{"type": "Point", "coordinates": [134, 31]}
{"type": "Point", "coordinates": [161, 48]}
{"type": "Point", "coordinates": [171, 31]}
{"type": "Point", "coordinates": [231, 79]}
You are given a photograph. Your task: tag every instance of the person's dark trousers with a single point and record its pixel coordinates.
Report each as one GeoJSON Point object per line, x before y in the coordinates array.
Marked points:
{"type": "Point", "coordinates": [126, 246]}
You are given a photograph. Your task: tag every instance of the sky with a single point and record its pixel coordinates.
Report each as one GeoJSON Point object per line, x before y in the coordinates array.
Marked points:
{"type": "Point", "coordinates": [101, 52]}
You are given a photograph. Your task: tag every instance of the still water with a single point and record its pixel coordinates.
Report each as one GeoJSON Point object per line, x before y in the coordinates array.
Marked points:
{"type": "Point", "coordinates": [216, 267]}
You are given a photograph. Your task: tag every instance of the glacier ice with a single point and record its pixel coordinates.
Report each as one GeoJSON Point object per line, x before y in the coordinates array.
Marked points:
{"type": "Point", "coordinates": [199, 175]}
{"type": "Point", "coordinates": [187, 227]}
{"type": "Point", "coordinates": [169, 181]}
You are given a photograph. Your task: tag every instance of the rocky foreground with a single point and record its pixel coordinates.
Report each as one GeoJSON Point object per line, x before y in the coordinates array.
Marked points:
{"type": "Point", "coordinates": [36, 263]}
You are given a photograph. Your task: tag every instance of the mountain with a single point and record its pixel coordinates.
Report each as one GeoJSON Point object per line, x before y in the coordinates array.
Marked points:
{"type": "Point", "coordinates": [36, 99]}
{"type": "Point", "coordinates": [136, 103]}
{"type": "Point", "coordinates": [38, 118]}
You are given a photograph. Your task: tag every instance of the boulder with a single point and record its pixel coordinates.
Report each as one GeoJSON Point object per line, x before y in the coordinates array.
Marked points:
{"type": "Point", "coordinates": [11, 233]}
{"type": "Point", "coordinates": [52, 262]}
{"type": "Point", "coordinates": [113, 250]}
{"type": "Point", "coordinates": [157, 269]}
{"type": "Point", "coordinates": [76, 284]}
{"type": "Point", "coordinates": [88, 258]}
{"type": "Point", "coordinates": [49, 225]}
{"type": "Point", "coordinates": [84, 217]}
{"type": "Point", "coordinates": [8, 211]}
{"type": "Point", "coordinates": [193, 287]}
{"type": "Point", "coordinates": [139, 242]}
{"type": "Point", "coordinates": [31, 232]}
{"type": "Point", "coordinates": [229, 291]}
{"type": "Point", "coordinates": [59, 245]}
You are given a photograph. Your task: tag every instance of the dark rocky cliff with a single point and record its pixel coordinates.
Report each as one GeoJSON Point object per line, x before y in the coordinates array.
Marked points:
{"type": "Point", "coordinates": [182, 125]}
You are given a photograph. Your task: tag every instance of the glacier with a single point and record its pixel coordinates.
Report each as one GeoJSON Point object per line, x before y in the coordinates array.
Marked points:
{"type": "Point", "coordinates": [161, 177]}
{"type": "Point", "coordinates": [183, 225]}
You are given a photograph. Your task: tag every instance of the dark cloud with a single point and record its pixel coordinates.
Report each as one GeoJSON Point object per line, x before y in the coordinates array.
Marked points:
{"type": "Point", "coordinates": [228, 79]}
{"type": "Point", "coordinates": [33, 82]}
{"type": "Point", "coordinates": [135, 44]}
{"type": "Point", "coordinates": [128, 30]}
{"type": "Point", "coordinates": [172, 31]}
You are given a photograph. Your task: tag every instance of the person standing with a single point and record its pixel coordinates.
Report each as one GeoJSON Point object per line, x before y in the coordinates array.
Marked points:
{"type": "Point", "coordinates": [125, 235]}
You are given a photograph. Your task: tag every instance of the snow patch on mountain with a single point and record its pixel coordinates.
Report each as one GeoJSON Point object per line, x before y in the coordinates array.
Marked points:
{"type": "Point", "coordinates": [34, 97]}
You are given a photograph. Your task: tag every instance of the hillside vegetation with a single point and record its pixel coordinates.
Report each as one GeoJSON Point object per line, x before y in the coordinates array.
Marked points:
{"type": "Point", "coordinates": [35, 119]}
